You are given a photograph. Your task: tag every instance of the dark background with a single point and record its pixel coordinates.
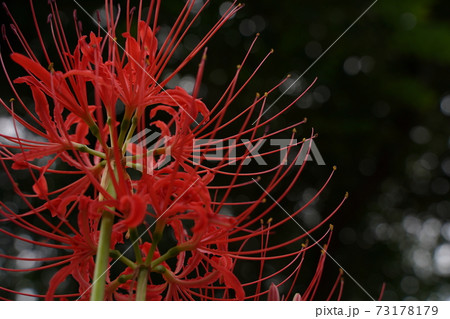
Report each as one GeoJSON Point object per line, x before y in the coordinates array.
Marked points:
{"type": "Point", "coordinates": [379, 106]}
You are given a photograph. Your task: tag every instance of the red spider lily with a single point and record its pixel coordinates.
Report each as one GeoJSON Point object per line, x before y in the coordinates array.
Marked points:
{"type": "Point", "coordinates": [169, 204]}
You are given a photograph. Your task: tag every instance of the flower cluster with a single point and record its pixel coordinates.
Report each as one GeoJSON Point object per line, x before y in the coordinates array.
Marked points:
{"type": "Point", "coordinates": [139, 222]}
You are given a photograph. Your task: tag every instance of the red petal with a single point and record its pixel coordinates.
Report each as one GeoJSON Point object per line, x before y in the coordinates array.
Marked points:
{"type": "Point", "coordinates": [274, 294]}
{"type": "Point", "coordinates": [229, 278]}
{"type": "Point", "coordinates": [20, 159]}
{"type": "Point", "coordinates": [32, 67]}
{"type": "Point", "coordinates": [42, 109]}
{"type": "Point", "coordinates": [56, 280]}
{"type": "Point", "coordinates": [297, 297]}
{"type": "Point", "coordinates": [136, 208]}
{"type": "Point", "coordinates": [41, 187]}
{"type": "Point", "coordinates": [149, 41]}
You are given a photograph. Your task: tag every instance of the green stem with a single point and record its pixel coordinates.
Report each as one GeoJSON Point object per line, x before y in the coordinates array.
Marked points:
{"type": "Point", "coordinates": [134, 236]}
{"type": "Point", "coordinates": [141, 289]}
{"type": "Point", "coordinates": [118, 256]}
{"type": "Point", "coordinates": [124, 126]}
{"type": "Point", "coordinates": [95, 131]}
{"type": "Point", "coordinates": [102, 257]}
{"type": "Point", "coordinates": [117, 282]}
{"type": "Point", "coordinates": [157, 235]}
{"type": "Point", "coordinates": [86, 149]}
{"type": "Point", "coordinates": [172, 252]}
{"type": "Point", "coordinates": [130, 133]}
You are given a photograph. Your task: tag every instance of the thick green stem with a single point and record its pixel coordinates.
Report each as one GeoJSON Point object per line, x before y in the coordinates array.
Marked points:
{"type": "Point", "coordinates": [141, 289]}
{"type": "Point", "coordinates": [104, 241]}
{"type": "Point", "coordinates": [102, 258]}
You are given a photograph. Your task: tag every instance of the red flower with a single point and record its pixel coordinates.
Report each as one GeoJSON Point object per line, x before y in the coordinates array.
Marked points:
{"type": "Point", "coordinates": [178, 211]}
